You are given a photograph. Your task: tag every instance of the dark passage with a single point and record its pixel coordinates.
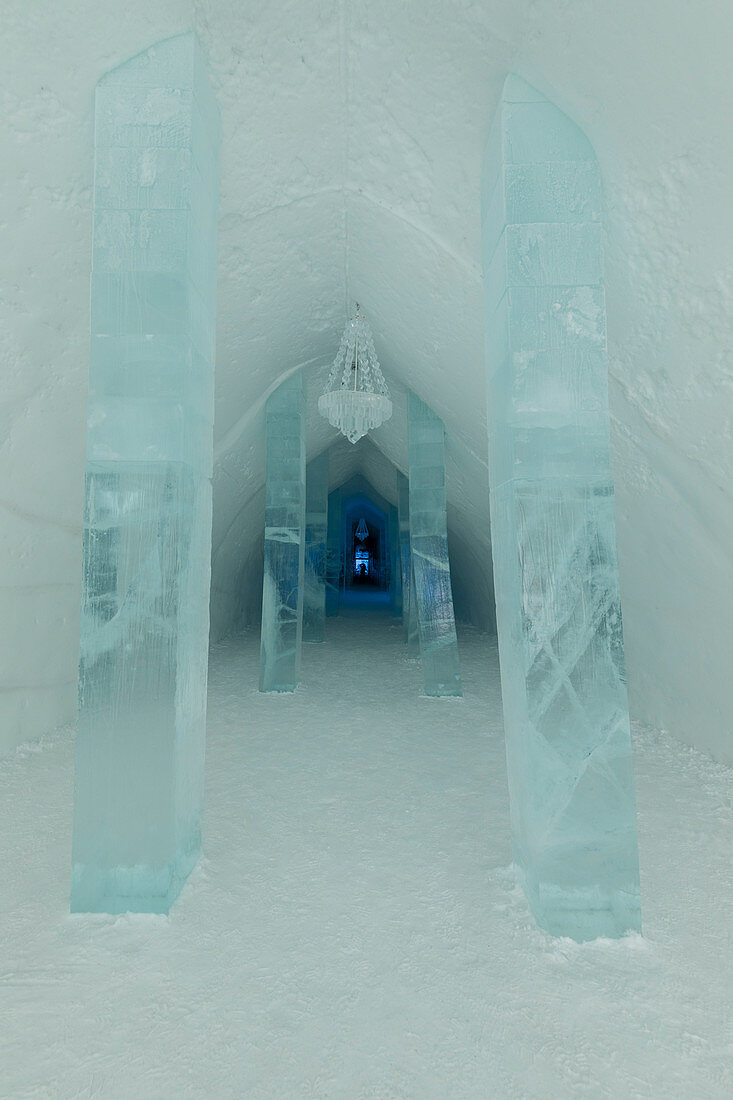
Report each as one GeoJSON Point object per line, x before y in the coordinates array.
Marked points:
{"type": "Point", "coordinates": [367, 551]}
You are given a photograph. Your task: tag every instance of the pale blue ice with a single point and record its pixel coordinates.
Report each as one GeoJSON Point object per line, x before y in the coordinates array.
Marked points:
{"type": "Point", "coordinates": [281, 634]}
{"type": "Point", "coordinates": [333, 554]}
{"type": "Point", "coordinates": [409, 601]}
{"type": "Point", "coordinates": [316, 528]}
{"type": "Point", "coordinates": [147, 515]}
{"type": "Point", "coordinates": [395, 566]}
{"type": "Point", "coordinates": [429, 550]}
{"type": "Point", "coordinates": [553, 524]}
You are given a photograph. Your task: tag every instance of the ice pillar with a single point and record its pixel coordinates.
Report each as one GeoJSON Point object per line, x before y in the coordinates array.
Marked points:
{"type": "Point", "coordinates": [282, 586]}
{"type": "Point", "coordinates": [413, 629]}
{"type": "Point", "coordinates": [333, 554]}
{"type": "Point", "coordinates": [316, 525]}
{"type": "Point", "coordinates": [553, 525]}
{"type": "Point", "coordinates": [147, 518]}
{"type": "Point", "coordinates": [346, 548]}
{"type": "Point", "coordinates": [409, 602]}
{"type": "Point", "coordinates": [394, 563]}
{"type": "Point", "coordinates": [429, 550]}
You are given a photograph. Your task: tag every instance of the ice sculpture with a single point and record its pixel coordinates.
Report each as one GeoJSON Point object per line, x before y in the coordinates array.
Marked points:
{"type": "Point", "coordinates": [429, 550]}
{"type": "Point", "coordinates": [147, 517]}
{"type": "Point", "coordinates": [282, 585]}
{"type": "Point", "coordinates": [553, 525]}
{"type": "Point", "coordinates": [333, 554]}
{"type": "Point", "coordinates": [316, 525]}
{"type": "Point", "coordinates": [409, 601]}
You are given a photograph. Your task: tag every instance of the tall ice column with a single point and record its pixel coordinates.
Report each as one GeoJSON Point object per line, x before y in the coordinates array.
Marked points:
{"type": "Point", "coordinates": [409, 601]}
{"type": "Point", "coordinates": [316, 526]}
{"type": "Point", "coordinates": [553, 525]}
{"type": "Point", "coordinates": [333, 554]}
{"type": "Point", "coordinates": [147, 516]}
{"type": "Point", "coordinates": [282, 586]}
{"type": "Point", "coordinates": [429, 550]}
{"type": "Point", "coordinates": [394, 562]}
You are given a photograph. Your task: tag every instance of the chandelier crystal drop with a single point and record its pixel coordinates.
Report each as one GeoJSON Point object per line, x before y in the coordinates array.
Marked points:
{"type": "Point", "coordinates": [356, 398]}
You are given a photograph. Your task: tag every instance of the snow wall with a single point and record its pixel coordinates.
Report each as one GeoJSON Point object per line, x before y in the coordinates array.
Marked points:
{"type": "Point", "coordinates": [351, 162]}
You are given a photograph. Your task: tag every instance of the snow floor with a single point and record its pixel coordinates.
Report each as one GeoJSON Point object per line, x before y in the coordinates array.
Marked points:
{"type": "Point", "coordinates": [354, 929]}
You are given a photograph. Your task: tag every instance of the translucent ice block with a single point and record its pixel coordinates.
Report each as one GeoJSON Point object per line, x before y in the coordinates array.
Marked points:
{"type": "Point", "coordinates": [553, 526]}
{"type": "Point", "coordinates": [395, 573]}
{"type": "Point", "coordinates": [333, 554]}
{"type": "Point", "coordinates": [409, 599]}
{"type": "Point", "coordinates": [282, 586]}
{"type": "Point", "coordinates": [413, 627]}
{"type": "Point", "coordinates": [147, 515]}
{"type": "Point", "coordinates": [429, 550]}
{"type": "Point", "coordinates": [316, 525]}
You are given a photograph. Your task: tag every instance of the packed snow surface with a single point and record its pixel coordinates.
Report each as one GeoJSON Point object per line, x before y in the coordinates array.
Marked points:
{"type": "Point", "coordinates": [354, 928]}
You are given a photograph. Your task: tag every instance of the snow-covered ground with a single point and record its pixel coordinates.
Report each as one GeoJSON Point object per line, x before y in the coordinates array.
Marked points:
{"type": "Point", "coordinates": [354, 928]}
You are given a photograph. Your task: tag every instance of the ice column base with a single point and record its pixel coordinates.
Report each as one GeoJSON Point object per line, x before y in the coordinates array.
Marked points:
{"type": "Point", "coordinates": [136, 889]}
{"type": "Point", "coordinates": [582, 914]}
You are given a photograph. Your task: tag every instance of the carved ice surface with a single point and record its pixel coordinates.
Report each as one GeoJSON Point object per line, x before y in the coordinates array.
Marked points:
{"type": "Point", "coordinates": [429, 550]}
{"type": "Point", "coordinates": [413, 629]}
{"type": "Point", "coordinates": [147, 515]}
{"type": "Point", "coordinates": [282, 585]}
{"type": "Point", "coordinates": [409, 600]}
{"type": "Point", "coordinates": [553, 524]}
{"type": "Point", "coordinates": [333, 554]}
{"type": "Point", "coordinates": [395, 574]}
{"type": "Point", "coordinates": [316, 526]}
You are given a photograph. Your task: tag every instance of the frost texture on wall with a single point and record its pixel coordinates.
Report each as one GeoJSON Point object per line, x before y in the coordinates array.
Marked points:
{"type": "Point", "coordinates": [429, 550]}
{"type": "Point", "coordinates": [553, 524]}
{"type": "Point", "coordinates": [282, 584]}
{"type": "Point", "coordinates": [316, 526]}
{"type": "Point", "coordinates": [147, 519]}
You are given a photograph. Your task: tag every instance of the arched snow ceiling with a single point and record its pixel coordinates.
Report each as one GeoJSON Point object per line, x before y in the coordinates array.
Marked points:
{"type": "Point", "coordinates": [351, 167]}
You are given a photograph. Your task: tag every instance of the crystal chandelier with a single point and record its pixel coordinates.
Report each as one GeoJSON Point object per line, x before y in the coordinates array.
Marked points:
{"type": "Point", "coordinates": [356, 398]}
{"type": "Point", "coordinates": [362, 531]}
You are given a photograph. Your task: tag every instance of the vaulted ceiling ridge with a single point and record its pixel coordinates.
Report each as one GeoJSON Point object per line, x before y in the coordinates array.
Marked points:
{"type": "Point", "coordinates": [346, 189]}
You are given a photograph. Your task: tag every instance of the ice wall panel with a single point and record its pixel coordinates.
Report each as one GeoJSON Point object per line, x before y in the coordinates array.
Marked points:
{"type": "Point", "coordinates": [429, 550]}
{"type": "Point", "coordinates": [553, 525]}
{"type": "Point", "coordinates": [147, 515]}
{"type": "Point", "coordinates": [284, 567]}
{"type": "Point", "coordinates": [316, 528]}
